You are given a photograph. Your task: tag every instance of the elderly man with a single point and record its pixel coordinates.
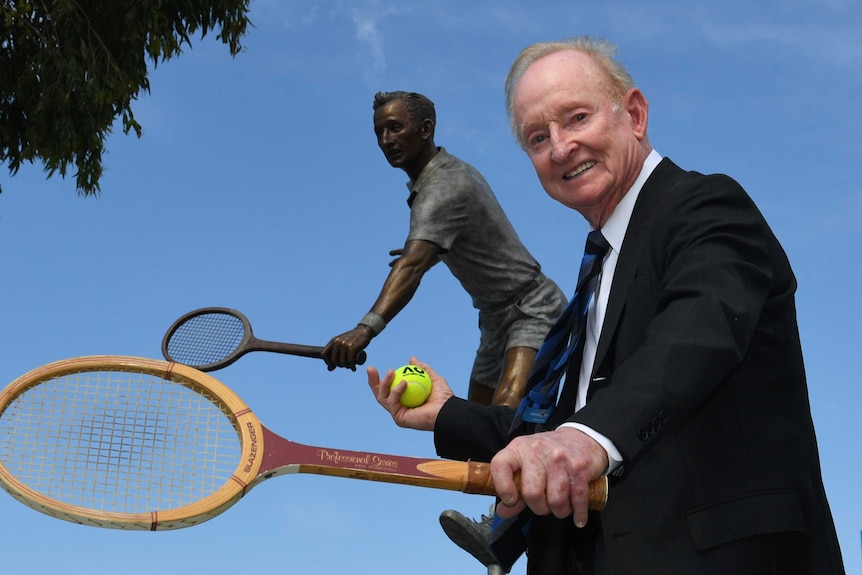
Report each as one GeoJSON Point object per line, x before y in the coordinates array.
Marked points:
{"type": "Point", "coordinates": [684, 380]}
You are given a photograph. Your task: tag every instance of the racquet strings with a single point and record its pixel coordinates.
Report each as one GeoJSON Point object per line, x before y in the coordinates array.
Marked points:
{"type": "Point", "coordinates": [206, 339]}
{"type": "Point", "coordinates": [118, 441]}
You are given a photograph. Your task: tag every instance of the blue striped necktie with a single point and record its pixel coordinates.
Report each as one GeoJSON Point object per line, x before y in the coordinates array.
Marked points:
{"type": "Point", "coordinates": [565, 339]}
{"type": "Point", "coordinates": [563, 344]}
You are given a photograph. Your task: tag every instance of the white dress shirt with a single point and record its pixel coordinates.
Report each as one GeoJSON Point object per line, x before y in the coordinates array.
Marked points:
{"type": "Point", "coordinates": [614, 232]}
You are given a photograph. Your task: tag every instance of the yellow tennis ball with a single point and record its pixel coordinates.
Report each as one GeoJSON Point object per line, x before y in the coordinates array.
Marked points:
{"type": "Point", "coordinates": [418, 385]}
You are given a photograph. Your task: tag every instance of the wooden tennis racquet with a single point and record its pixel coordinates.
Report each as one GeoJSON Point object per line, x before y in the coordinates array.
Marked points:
{"type": "Point", "coordinates": [133, 443]}
{"type": "Point", "coordinates": [211, 338]}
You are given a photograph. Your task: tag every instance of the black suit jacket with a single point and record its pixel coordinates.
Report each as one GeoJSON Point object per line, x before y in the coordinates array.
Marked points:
{"type": "Point", "coordinates": [699, 382]}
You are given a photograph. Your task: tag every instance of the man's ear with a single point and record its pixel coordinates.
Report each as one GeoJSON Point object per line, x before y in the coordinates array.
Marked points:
{"type": "Point", "coordinates": [638, 109]}
{"type": "Point", "coordinates": [427, 128]}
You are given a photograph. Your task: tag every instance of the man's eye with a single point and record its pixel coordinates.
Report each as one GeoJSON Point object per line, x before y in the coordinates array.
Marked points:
{"type": "Point", "coordinates": [577, 118]}
{"type": "Point", "coordinates": [536, 140]}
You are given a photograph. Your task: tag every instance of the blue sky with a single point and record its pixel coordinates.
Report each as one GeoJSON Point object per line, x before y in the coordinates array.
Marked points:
{"type": "Point", "coordinates": [258, 185]}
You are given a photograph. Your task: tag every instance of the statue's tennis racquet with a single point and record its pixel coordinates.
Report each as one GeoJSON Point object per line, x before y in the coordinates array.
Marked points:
{"type": "Point", "coordinates": [133, 443]}
{"type": "Point", "coordinates": [211, 338]}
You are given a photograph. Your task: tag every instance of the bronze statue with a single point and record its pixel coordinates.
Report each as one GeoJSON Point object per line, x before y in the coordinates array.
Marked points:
{"type": "Point", "coordinates": [455, 218]}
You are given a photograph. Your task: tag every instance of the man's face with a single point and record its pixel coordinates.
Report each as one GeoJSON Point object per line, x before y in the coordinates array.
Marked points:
{"type": "Point", "coordinates": [400, 137]}
{"type": "Point", "coordinates": [586, 151]}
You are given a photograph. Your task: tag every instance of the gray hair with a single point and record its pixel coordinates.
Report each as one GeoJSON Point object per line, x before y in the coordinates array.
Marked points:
{"type": "Point", "coordinates": [601, 51]}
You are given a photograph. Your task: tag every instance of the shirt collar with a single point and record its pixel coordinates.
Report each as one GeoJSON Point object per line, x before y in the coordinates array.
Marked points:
{"type": "Point", "coordinates": [439, 159]}
{"type": "Point", "coordinates": [614, 229]}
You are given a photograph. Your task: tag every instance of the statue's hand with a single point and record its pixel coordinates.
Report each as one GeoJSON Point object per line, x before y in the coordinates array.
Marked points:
{"type": "Point", "coordinates": [341, 351]}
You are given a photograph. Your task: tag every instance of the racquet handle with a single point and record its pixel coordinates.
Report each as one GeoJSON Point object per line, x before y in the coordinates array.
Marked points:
{"type": "Point", "coordinates": [468, 477]}
{"type": "Point", "coordinates": [281, 455]}
{"type": "Point", "coordinates": [314, 351]}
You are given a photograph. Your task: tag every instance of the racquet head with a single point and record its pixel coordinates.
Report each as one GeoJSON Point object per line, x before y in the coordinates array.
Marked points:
{"type": "Point", "coordinates": [207, 339]}
{"type": "Point", "coordinates": [124, 442]}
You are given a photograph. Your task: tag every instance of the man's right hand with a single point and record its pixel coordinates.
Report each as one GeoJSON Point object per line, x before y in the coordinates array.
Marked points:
{"type": "Point", "coordinates": [556, 468]}
{"type": "Point", "coordinates": [341, 351]}
{"type": "Point", "coordinates": [421, 417]}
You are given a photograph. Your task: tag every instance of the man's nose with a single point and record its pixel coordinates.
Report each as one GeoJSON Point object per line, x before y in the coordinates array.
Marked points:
{"type": "Point", "coordinates": [562, 143]}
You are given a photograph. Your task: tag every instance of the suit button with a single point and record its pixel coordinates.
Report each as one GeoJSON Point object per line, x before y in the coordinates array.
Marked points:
{"type": "Point", "coordinates": [642, 434]}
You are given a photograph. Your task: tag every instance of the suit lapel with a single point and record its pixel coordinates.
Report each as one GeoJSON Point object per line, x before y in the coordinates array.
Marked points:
{"type": "Point", "coordinates": [631, 254]}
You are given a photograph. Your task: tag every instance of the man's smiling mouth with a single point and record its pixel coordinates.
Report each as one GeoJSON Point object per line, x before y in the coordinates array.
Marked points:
{"type": "Point", "coordinates": [579, 170]}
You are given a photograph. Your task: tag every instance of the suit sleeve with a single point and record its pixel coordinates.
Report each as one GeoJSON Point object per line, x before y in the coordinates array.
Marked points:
{"type": "Point", "coordinates": [468, 431]}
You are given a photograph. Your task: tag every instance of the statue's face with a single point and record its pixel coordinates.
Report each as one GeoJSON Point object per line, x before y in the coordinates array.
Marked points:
{"type": "Point", "coordinates": [401, 138]}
